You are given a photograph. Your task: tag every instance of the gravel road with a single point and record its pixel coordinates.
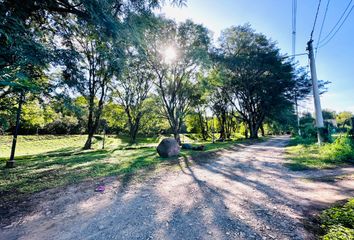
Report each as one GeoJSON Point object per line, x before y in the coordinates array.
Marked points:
{"type": "Point", "coordinates": [244, 192]}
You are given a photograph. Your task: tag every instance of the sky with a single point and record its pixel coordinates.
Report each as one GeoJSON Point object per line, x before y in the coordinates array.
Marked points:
{"type": "Point", "coordinates": [334, 61]}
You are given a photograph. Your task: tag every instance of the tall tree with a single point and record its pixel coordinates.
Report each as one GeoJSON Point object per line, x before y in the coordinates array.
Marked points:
{"type": "Point", "coordinates": [175, 53]}
{"type": "Point", "coordinates": [90, 72]}
{"type": "Point", "coordinates": [133, 87]}
{"type": "Point", "coordinates": [258, 77]}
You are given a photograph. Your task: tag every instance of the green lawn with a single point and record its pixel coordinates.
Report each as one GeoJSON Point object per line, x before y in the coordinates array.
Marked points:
{"type": "Point", "coordinates": [306, 154]}
{"type": "Point", "coordinates": [44, 162]}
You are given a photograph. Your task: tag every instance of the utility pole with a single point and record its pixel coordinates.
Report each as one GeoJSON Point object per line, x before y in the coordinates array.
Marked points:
{"type": "Point", "coordinates": [316, 94]}
{"type": "Point", "coordinates": [294, 13]}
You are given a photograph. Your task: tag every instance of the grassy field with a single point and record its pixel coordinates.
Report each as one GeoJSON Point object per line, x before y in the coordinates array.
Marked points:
{"type": "Point", "coordinates": [306, 154]}
{"type": "Point", "coordinates": [44, 162]}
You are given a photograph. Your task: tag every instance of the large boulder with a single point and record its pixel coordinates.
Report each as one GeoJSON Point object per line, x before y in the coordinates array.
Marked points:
{"type": "Point", "coordinates": [168, 147]}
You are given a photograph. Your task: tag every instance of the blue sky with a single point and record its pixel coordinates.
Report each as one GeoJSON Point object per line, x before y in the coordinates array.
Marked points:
{"type": "Point", "coordinates": [335, 61]}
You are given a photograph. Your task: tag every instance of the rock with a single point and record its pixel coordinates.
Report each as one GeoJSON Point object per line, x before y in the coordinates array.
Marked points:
{"type": "Point", "coordinates": [199, 148]}
{"type": "Point", "coordinates": [191, 147]}
{"type": "Point", "coordinates": [187, 146]}
{"type": "Point", "coordinates": [168, 147]}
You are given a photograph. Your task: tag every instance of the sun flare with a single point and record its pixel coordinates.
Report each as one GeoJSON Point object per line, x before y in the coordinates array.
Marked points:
{"type": "Point", "coordinates": [170, 54]}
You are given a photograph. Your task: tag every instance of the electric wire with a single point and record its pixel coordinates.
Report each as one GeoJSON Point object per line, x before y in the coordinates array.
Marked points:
{"type": "Point", "coordinates": [323, 22]}
{"type": "Point", "coordinates": [339, 20]}
{"type": "Point", "coordinates": [334, 34]}
{"type": "Point", "coordinates": [314, 23]}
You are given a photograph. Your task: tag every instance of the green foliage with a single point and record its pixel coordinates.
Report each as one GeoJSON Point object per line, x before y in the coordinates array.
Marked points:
{"type": "Point", "coordinates": [307, 154]}
{"type": "Point", "coordinates": [307, 126]}
{"type": "Point", "coordinates": [342, 149]}
{"type": "Point", "coordinates": [33, 114]}
{"type": "Point", "coordinates": [115, 116]}
{"type": "Point", "coordinates": [297, 140]}
{"type": "Point", "coordinates": [338, 222]}
{"type": "Point", "coordinates": [328, 114]}
{"type": "Point", "coordinates": [259, 80]}
{"type": "Point", "coordinates": [176, 87]}
{"type": "Point", "coordinates": [343, 119]}
{"type": "Point", "coordinates": [339, 233]}
{"type": "Point", "coordinates": [192, 123]}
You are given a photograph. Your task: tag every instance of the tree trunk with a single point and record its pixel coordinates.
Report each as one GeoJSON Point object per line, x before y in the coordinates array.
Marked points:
{"type": "Point", "coordinates": [133, 134]}
{"type": "Point", "coordinates": [201, 122]}
{"type": "Point", "coordinates": [262, 130]}
{"type": "Point", "coordinates": [11, 162]}
{"type": "Point", "coordinates": [88, 142]}
{"type": "Point", "coordinates": [177, 137]}
{"type": "Point", "coordinates": [134, 129]}
{"type": "Point", "coordinates": [253, 131]}
{"type": "Point", "coordinates": [222, 125]}
{"type": "Point", "coordinates": [90, 131]}
{"type": "Point", "coordinates": [246, 130]}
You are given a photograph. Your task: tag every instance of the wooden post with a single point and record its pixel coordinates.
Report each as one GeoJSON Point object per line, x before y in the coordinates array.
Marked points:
{"type": "Point", "coordinates": [11, 162]}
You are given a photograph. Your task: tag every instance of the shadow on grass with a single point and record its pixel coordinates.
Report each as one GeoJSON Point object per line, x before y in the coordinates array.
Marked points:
{"type": "Point", "coordinates": [140, 140]}
{"type": "Point", "coordinates": [71, 165]}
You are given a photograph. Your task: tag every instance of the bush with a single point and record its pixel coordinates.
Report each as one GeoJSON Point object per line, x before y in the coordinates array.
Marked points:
{"type": "Point", "coordinates": [297, 140]}
{"type": "Point", "coordinates": [338, 222]}
{"type": "Point", "coordinates": [342, 149]}
{"type": "Point", "coordinates": [339, 233]}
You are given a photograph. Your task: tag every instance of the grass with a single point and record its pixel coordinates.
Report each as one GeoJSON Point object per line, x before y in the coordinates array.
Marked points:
{"type": "Point", "coordinates": [45, 162]}
{"type": "Point", "coordinates": [337, 222]}
{"type": "Point", "coordinates": [306, 154]}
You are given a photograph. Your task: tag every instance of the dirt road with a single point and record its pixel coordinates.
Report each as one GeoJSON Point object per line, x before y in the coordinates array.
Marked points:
{"type": "Point", "coordinates": [241, 193]}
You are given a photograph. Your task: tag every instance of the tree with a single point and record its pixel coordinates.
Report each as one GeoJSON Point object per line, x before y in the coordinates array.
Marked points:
{"type": "Point", "coordinates": [343, 119]}
{"type": "Point", "coordinates": [258, 77]}
{"type": "Point", "coordinates": [328, 114]}
{"type": "Point", "coordinates": [218, 96]}
{"type": "Point", "coordinates": [175, 53]}
{"type": "Point", "coordinates": [133, 86]}
{"type": "Point", "coordinates": [90, 72]}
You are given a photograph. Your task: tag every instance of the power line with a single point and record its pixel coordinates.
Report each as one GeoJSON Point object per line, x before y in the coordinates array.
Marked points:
{"type": "Point", "coordinates": [294, 55]}
{"type": "Point", "coordinates": [323, 21]}
{"type": "Point", "coordinates": [324, 44]}
{"type": "Point", "coordinates": [314, 23]}
{"type": "Point", "coordinates": [339, 20]}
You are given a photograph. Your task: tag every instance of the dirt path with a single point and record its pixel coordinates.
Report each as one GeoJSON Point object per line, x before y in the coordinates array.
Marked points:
{"type": "Point", "coordinates": [244, 193]}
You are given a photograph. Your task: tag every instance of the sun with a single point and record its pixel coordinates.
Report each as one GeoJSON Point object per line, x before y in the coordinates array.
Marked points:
{"type": "Point", "coordinates": [170, 54]}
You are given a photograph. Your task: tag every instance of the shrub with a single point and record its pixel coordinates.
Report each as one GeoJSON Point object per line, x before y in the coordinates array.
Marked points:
{"type": "Point", "coordinates": [339, 233]}
{"type": "Point", "coordinates": [308, 130]}
{"type": "Point", "coordinates": [342, 149]}
{"type": "Point", "coordinates": [338, 222]}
